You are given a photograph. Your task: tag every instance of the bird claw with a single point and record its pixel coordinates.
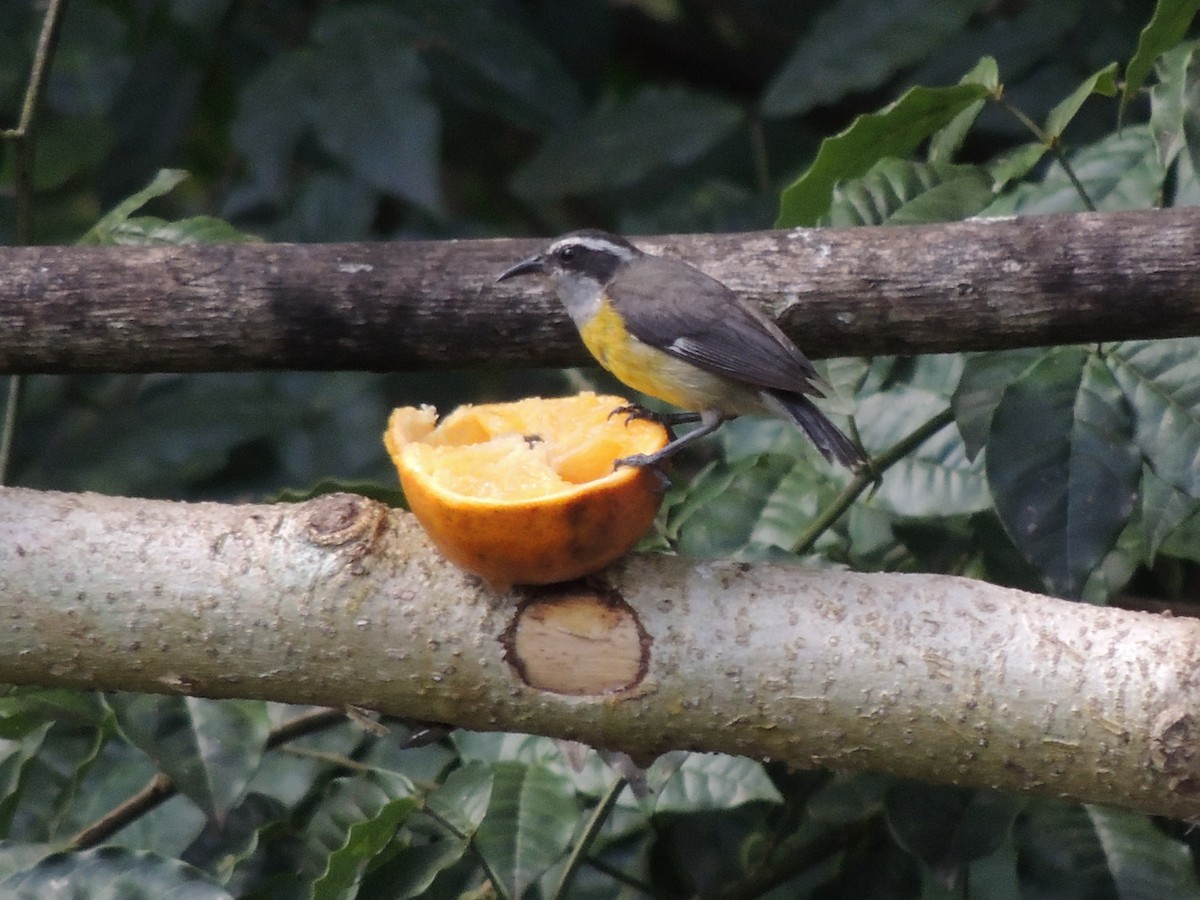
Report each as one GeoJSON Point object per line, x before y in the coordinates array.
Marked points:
{"type": "Point", "coordinates": [667, 420]}
{"type": "Point", "coordinates": [647, 462]}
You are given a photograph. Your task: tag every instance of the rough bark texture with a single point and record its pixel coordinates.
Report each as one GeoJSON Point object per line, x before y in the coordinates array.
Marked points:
{"type": "Point", "coordinates": [387, 307]}
{"type": "Point", "coordinates": [340, 600]}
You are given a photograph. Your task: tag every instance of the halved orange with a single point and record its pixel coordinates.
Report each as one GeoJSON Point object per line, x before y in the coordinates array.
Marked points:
{"type": "Point", "coordinates": [525, 492]}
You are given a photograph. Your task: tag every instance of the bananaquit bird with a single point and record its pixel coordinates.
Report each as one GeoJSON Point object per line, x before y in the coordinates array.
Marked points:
{"type": "Point", "coordinates": [668, 330]}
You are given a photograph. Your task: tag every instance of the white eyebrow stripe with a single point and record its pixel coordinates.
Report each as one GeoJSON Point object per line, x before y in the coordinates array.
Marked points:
{"type": "Point", "coordinates": [591, 243]}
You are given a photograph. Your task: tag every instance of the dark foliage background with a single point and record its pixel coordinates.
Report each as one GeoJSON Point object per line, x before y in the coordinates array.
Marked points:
{"type": "Point", "coordinates": [340, 121]}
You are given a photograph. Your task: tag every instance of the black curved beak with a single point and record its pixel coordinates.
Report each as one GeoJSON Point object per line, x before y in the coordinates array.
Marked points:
{"type": "Point", "coordinates": [535, 265]}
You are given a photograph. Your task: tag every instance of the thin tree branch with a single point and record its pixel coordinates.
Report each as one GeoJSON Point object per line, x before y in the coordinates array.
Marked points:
{"type": "Point", "coordinates": [973, 285]}
{"type": "Point", "coordinates": [161, 788]}
{"type": "Point", "coordinates": [868, 476]}
{"type": "Point", "coordinates": [158, 790]}
{"type": "Point", "coordinates": [590, 832]}
{"type": "Point", "coordinates": [24, 134]}
{"type": "Point", "coordinates": [8, 428]}
{"type": "Point", "coordinates": [1054, 144]}
{"type": "Point", "coordinates": [23, 138]}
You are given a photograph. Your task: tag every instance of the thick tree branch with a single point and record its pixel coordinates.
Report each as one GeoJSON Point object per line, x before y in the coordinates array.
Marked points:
{"type": "Point", "coordinates": [917, 289]}
{"type": "Point", "coordinates": [341, 601]}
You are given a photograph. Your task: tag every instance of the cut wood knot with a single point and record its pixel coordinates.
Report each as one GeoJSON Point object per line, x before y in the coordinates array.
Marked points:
{"type": "Point", "coordinates": [577, 639]}
{"type": "Point", "coordinates": [1175, 751]}
{"type": "Point", "coordinates": [335, 520]}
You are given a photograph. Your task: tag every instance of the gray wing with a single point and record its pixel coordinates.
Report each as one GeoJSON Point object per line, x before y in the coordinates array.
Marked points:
{"type": "Point", "coordinates": [709, 326]}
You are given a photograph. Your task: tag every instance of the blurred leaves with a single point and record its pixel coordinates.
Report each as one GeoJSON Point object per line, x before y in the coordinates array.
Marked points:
{"type": "Point", "coordinates": [893, 131]}
{"type": "Point", "coordinates": [901, 192]}
{"type": "Point", "coordinates": [109, 873]}
{"type": "Point", "coordinates": [1165, 29]}
{"type": "Point", "coordinates": [209, 749]}
{"type": "Point", "coordinates": [1062, 465]}
{"type": "Point", "coordinates": [1071, 467]}
{"type": "Point", "coordinates": [528, 825]}
{"type": "Point", "coordinates": [619, 146]}
{"type": "Point", "coordinates": [857, 44]}
{"type": "Point", "coordinates": [1088, 851]}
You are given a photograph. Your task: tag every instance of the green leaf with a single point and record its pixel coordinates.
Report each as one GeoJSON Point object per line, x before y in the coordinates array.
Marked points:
{"type": "Point", "coordinates": [620, 145]}
{"type": "Point", "coordinates": [1159, 381]}
{"type": "Point", "coordinates": [947, 141]}
{"type": "Point", "coordinates": [985, 378]}
{"type": "Point", "coordinates": [848, 798]}
{"type": "Point", "coordinates": [528, 827]}
{"type": "Point", "coordinates": [50, 784]}
{"type": "Point", "coordinates": [1102, 82]}
{"type": "Point", "coordinates": [1062, 465]}
{"type": "Point", "coordinates": [893, 131]}
{"type": "Point", "coordinates": [937, 479]}
{"type": "Point", "coordinates": [486, 60]}
{"type": "Point", "coordinates": [221, 848]}
{"type": "Point", "coordinates": [17, 856]}
{"type": "Point", "coordinates": [357, 819]}
{"type": "Point", "coordinates": [1087, 851]}
{"type": "Point", "coordinates": [17, 758]}
{"type": "Point", "coordinates": [1015, 164]}
{"type": "Point", "coordinates": [1118, 564]}
{"type": "Point", "coordinates": [209, 748]}
{"type": "Point", "coordinates": [714, 781]}
{"type": "Point", "coordinates": [328, 206]}
{"type": "Point", "coordinates": [462, 799]}
{"type": "Point", "coordinates": [412, 870]}
{"type": "Point", "coordinates": [1175, 104]}
{"type": "Point", "coordinates": [947, 827]}
{"type": "Point", "coordinates": [497, 746]}
{"type": "Point", "coordinates": [111, 873]}
{"type": "Point", "coordinates": [1164, 509]}
{"type": "Point", "coordinates": [119, 772]}
{"type": "Point", "coordinates": [60, 705]}
{"type": "Point", "coordinates": [142, 231]}
{"type": "Point", "coordinates": [70, 148]}
{"type": "Point", "coordinates": [900, 192]}
{"type": "Point", "coordinates": [274, 112]}
{"type": "Point", "coordinates": [163, 183]}
{"type": "Point", "coordinates": [91, 65]}
{"type": "Point", "coordinates": [1144, 862]}
{"type": "Point", "coordinates": [766, 500]}
{"type": "Point", "coordinates": [1165, 29]}
{"type": "Point", "coordinates": [995, 877]}
{"type": "Point", "coordinates": [1119, 172]}
{"type": "Point", "coordinates": [858, 44]}
{"type": "Point", "coordinates": [371, 109]}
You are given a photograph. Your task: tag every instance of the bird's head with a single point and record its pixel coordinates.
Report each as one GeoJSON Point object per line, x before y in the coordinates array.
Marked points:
{"type": "Point", "coordinates": [587, 258]}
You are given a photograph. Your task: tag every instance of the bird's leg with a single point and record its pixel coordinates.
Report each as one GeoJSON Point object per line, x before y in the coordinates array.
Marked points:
{"type": "Point", "coordinates": [667, 420]}
{"type": "Point", "coordinates": [710, 422]}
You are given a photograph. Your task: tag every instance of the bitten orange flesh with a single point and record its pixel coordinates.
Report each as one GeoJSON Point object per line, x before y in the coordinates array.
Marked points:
{"type": "Point", "coordinates": [525, 492]}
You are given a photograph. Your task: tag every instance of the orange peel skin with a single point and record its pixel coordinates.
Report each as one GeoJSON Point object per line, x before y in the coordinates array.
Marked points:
{"type": "Point", "coordinates": [526, 492]}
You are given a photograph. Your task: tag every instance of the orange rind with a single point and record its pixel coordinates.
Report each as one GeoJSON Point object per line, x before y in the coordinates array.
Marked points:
{"type": "Point", "coordinates": [526, 492]}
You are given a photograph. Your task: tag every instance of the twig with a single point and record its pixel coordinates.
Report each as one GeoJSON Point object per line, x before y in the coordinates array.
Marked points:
{"type": "Point", "coordinates": [161, 788]}
{"type": "Point", "coordinates": [23, 135]}
{"type": "Point", "coordinates": [868, 475]}
{"type": "Point", "coordinates": [22, 138]}
{"type": "Point", "coordinates": [595, 823]}
{"type": "Point", "coordinates": [1054, 144]}
{"type": "Point", "coordinates": [8, 429]}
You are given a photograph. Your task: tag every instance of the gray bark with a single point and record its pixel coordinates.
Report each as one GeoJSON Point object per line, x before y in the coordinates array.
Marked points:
{"type": "Point", "coordinates": [341, 601]}
{"type": "Point", "coordinates": [972, 285]}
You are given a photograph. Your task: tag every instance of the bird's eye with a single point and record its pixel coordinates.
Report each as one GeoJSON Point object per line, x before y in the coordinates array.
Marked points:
{"type": "Point", "coordinates": [566, 254]}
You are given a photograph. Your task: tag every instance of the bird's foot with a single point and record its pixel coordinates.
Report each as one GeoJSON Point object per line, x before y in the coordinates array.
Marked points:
{"type": "Point", "coordinates": [667, 420]}
{"type": "Point", "coordinates": [650, 462]}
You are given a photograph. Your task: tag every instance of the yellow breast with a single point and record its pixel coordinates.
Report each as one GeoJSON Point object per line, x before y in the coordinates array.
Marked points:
{"type": "Point", "coordinates": [651, 371]}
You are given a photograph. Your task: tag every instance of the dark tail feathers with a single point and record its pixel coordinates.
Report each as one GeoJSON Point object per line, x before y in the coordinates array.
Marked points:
{"type": "Point", "coordinates": [826, 436]}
